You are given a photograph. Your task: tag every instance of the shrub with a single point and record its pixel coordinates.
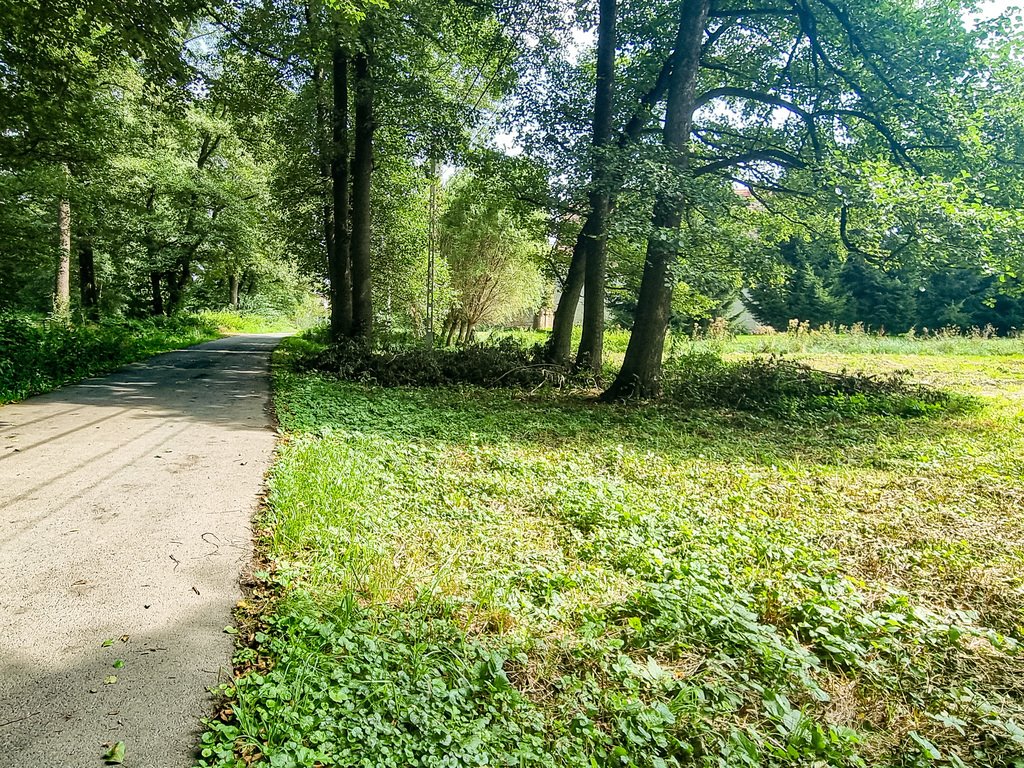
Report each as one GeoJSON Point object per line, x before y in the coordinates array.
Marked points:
{"type": "Point", "coordinates": [37, 355]}
{"type": "Point", "coordinates": [779, 386]}
{"type": "Point", "coordinates": [501, 363]}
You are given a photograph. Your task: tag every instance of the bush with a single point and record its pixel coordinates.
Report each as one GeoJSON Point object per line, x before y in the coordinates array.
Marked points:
{"type": "Point", "coordinates": [785, 387]}
{"type": "Point", "coordinates": [769, 385]}
{"type": "Point", "coordinates": [501, 363]}
{"type": "Point", "coordinates": [39, 355]}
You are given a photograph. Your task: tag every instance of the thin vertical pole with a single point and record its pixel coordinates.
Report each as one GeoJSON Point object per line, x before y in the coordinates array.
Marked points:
{"type": "Point", "coordinates": [431, 251]}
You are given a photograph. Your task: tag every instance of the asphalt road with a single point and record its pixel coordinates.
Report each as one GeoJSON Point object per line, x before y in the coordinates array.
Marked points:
{"type": "Point", "coordinates": [125, 508]}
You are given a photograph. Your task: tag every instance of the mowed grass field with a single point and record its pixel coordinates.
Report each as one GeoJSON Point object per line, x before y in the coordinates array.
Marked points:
{"type": "Point", "coordinates": [486, 577]}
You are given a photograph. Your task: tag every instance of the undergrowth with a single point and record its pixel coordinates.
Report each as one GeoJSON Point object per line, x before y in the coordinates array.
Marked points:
{"type": "Point", "coordinates": [476, 576]}
{"type": "Point", "coordinates": [697, 379]}
{"type": "Point", "coordinates": [229, 321]}
{"type": "Point", "coordinates": [501, 363]}
{"type": "Point", "coordinates": [773, 384]}
{"type": "Point", "coordinates": [37, 355]}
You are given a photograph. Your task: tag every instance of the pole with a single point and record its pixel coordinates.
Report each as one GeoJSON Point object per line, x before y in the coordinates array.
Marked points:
{"type": "Point", "coordinates": [431, 249]}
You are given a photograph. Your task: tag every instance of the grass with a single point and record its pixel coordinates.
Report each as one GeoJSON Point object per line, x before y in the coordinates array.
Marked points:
{"type": "Point", "coordinates": [248, 322]}
{"type": "Point", "coordinates": [37, 355]}
{"type": "Point", "coordinates": [485, 577]}
{"type": "Point", "coordinates": [804, 342]}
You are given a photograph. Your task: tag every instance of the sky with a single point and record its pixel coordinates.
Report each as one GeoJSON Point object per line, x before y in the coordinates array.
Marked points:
{"type": "Point", "coordinates": [990, 8]}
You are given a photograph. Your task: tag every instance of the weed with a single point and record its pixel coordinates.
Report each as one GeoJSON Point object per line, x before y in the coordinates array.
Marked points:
{"type": "Point", "coordinates": [772, 384]}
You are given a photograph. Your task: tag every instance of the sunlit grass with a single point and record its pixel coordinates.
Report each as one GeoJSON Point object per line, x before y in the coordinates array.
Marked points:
{"type": "Point", "coordinates": [661, 586]}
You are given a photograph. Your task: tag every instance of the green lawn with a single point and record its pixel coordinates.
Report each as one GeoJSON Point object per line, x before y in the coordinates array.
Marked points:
{"type": "Point", "coordinates": [469, 577]}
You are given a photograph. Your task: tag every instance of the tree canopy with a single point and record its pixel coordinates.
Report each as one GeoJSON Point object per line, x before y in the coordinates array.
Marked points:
{"type": "Point", "coordinates": [823, 159]}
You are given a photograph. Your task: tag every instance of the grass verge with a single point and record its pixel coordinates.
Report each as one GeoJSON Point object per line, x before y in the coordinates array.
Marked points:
{"type": "Point", "coordinates": [485, 577]}
{"type": "Point", "coordinates": [38, 356]}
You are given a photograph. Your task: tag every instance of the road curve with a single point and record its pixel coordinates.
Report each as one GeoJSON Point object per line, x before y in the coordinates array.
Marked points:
{"type": "Point", "coordinates": [125, 507]}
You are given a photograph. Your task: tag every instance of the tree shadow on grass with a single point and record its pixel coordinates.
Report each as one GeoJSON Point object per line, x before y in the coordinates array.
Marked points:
{"type": "Point", "coordinates": [313, 403]}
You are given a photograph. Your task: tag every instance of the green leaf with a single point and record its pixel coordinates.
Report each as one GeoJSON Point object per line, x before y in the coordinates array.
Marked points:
{"type": "Point", "coordinates": [928, 749]}
{"type": "Point", "coordinates": [115, 755]}
{"type": "Point", "coordinates": [119, 664]}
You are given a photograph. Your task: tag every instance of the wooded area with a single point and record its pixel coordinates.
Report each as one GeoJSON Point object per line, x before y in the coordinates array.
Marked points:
{"type": "Point", "coordinates": [534, 501]}
{"type": "Point", "coordinates": [430, 168]}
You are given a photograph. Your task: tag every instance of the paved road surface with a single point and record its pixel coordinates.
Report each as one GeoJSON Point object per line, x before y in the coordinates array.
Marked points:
{"type": "Point", "coordinates": [125, 506]}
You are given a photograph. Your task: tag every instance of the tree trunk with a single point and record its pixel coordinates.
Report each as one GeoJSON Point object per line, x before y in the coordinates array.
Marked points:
{"type": "Point", "coordinates": [560, 343]}
{"type": "Point", "coordinates": [327, 156]}
{"type": "Point", "coordinates": [248, 287]}
{"type": "Point", "coordinates": [591, 349]}
{"type": "Point", "coordinates": [233, 283]}
{"type": "Point", "coordinates": [449, 329]}
{"type": "Point", "coordinates": [62, 282]}
{"type": "Point", "coordinates": [173, 293]}
{"type": "Point", "coordinates": [177, 281]}
{"type": "Point", "coordinates": [87, 278]}
{"type": "Point", "coordinates": [362, 170]}
{"type": "Point", "coordinates": [339, 266]}
{"type": "Point", "coordinates": [565, 313]}
{"type": "Point", "coordinates": [158, 297]}
{"type": "Point", "coordinates": [641, 368]}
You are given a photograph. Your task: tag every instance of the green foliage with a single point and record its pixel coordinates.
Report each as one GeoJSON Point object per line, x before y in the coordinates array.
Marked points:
{"type": "Point", "coordinates": [491, 254]}
{"type": "Point", "coordinates": [785, 387]}
{"type": "Point", "coordinates": [829, 339]}
{"type": "Point", "coordinates": [501, 363]}
{"type": "Point", "coordinates": [37, 355]}
{"type": "Point", "coordinates": [235, 322]}
{"type": "Point", "coordinates": [818, 286]}
{"type": "Point", "coordinates": [698, 377]}
{"type": "Point", "coordinates": [557, 583]}
{"type": "Point", "coordinates": [348, 685]}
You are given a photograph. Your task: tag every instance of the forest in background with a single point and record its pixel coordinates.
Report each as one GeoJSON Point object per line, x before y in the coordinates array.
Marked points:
{"type": "Point", "coordinates": [433, 168]}
{"type": "Point", "coordinates": [800, 549]}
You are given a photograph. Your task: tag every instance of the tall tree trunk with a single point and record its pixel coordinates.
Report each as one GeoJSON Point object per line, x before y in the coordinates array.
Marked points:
{"type": "Point", "coordinates": [565, 313]}
{"type": "Point", "coordinates": [340, 271]}
{"type": "Point", "coordinates": [62, 281]}
{"type": "Point", "coordinates": [247, 284]}
{"type": "Point", "coordinates": [591, 349]}
{"type": "Point", "coordinates": [87, 278]}
{"type": "Point", "coordinates": [173, 292]}
{"type": "Point", "coordinates": [560, 343]}
{"type": "Point", "coordinates": [177, 282]}
{"type": "Point", "coordinates": [362, 171]}
{"type": "Point", "coordinates": [450, 324]}
{"type": "Point", "coordinates": [431, 249]}
{"type": "Point", "coordinates": [158, 296]}
{"type": "Point", "coordinates": [327, 157]}
{"type": "Point", "coordinates": [641, 368]}
{"type": "Point", "coordinates": [233, 283]}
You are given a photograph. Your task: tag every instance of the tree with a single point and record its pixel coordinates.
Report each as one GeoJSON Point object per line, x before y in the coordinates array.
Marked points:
{"type": "Point", "coordinates": [491, 257]}
{"type": "Point", "coordinates": [815, 83]}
